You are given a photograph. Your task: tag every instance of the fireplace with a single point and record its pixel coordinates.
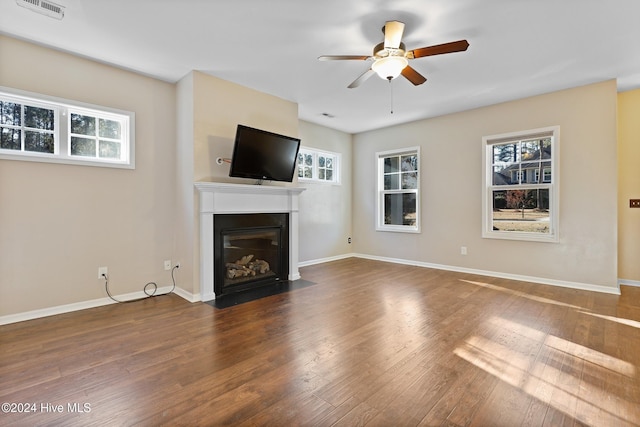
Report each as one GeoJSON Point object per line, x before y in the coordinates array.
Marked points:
{"type": "Point", "coordinates": [250, 251]}
{"type": "Point", "coordinates": [218, 198]}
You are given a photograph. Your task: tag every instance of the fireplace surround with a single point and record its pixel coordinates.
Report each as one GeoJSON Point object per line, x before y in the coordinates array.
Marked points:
{"type": "Point", "coordinates": [226, 198]}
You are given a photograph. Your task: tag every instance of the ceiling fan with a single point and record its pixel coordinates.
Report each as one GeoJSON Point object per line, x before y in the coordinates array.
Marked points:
{"type": "Point", "coordinates": [391, 59]}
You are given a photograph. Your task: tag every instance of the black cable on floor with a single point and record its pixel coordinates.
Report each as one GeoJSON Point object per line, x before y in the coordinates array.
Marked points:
{"type": "Point", "coordinates": [148, 295]}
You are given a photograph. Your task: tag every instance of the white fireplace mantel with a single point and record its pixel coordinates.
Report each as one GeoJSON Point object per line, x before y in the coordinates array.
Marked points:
{"type": "Point", "coordinates": [227, 198]}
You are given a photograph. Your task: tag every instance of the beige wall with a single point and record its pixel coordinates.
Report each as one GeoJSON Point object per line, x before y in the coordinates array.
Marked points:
{"type": "Point", "coordinates": [451, 153]}
{"type": "Point", "coordinates": [219, 106]}
{"type": "Point", "coordinates": [59, 223]}
{"type": "Point", "coordinates": [207, 132]}
{"type": "Point", "coordinates": [325, 209]}
{"type": "Point", "coordinates": [628, 186]}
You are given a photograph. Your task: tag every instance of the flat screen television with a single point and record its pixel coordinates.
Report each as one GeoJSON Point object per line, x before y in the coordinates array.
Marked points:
{"type": "Point", "coordinates": [263, 155]}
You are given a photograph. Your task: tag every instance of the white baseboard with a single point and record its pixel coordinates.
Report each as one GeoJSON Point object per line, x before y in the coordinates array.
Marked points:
{"type": "Point", "coordinates": [186, 295]}
{"type": "Point", "coordinates": [628, 282]}
{"type": "Point", "coordinates": [323, 260]}
{"type": "Point", "coordinates": [540, 280]}
{"type": "Point", "coordinates": [68, 308]}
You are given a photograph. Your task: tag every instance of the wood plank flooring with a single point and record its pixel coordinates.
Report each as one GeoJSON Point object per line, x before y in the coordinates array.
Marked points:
{"type": "Point", "coordinates": [371, 343]}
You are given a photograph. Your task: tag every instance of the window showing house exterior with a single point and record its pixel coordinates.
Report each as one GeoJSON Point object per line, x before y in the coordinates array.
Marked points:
{"type": "Point", "coordinates": [46, 129]}
{"type": "Point", "coordinates": [398, 205]}
{"type": "Point", "coordinates": [521, 185]}
{"type": "Point", "coordinates": [319, 166]}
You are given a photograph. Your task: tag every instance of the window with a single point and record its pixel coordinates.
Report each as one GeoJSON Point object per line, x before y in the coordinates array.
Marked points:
{"type": "Point", "coordinates": [46, 129]}
{"type": "Point", "coordinates": [320, 166]}
{"type": "Point", "coordinates": [398, 207]}
{"type": "Point", "coordinates": [96, 135]}
{"type": "Point", "coordinates": [521, 185]}
{"type": "Point", "coordinates": [26, 128]}
{"type": "Point", "coordinates": [546, 175]}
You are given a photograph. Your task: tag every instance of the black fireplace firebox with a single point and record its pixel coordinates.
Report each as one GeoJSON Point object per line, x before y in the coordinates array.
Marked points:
{"type": "Point", "coordinates": [250, 251]}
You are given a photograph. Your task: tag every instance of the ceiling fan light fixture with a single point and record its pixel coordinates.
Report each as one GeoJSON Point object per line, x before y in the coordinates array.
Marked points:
{"type": "Point", "coordinates": [389, 67]}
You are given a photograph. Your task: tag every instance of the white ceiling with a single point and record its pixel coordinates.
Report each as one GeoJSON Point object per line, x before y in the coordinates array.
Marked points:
{"type": "Point", "coordinates": [518, 48]}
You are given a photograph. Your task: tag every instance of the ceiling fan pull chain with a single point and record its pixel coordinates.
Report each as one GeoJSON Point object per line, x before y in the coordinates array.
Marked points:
{"type": "Point", "coordinates": [391, 95]}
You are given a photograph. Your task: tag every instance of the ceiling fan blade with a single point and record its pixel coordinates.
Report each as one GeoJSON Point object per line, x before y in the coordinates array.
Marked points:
{"type": "Point", "coordinates": [393, 34]}
{"type": "Point", "coordinates": [364, 76]}
{"type": "Point", "coordinates": [439, 49]}
{"type": "Point", "coordinates": [413, 76]}
{"type": "Point", "coordinates": [342, 57]}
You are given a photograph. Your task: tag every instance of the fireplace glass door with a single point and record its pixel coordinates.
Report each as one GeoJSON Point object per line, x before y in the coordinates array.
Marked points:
{"type": "Point", "coordinates": [251, 255]}
{"type": "Point", "coordinates": [250, 250]}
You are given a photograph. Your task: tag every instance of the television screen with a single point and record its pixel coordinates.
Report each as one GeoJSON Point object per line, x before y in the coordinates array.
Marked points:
{"type": "Point", "coordinates": [263, 155]}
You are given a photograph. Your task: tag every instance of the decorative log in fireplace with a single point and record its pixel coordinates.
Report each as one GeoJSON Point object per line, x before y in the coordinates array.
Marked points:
{"type": "Point", "coordinates": [246, 267]}
{"type": "Point", "coordinates": [251, 250]}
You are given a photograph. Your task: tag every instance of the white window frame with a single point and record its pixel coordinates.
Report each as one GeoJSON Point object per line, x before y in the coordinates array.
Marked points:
{"type": "Point", "coordinates": [381, 192]}
{"type": "Point", "coordinates": [553, 185]}
{"type": "Point", "coordinates": [315, 167]}
{"type": "Point", "coordinates": [63, 109]}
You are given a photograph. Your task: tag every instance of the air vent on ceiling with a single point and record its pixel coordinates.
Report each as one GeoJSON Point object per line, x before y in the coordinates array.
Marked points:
{"type": "Point", "coordinates": [44, 7]}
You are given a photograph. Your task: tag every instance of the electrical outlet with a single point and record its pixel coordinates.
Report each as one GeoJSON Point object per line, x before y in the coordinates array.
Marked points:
{"type": "Point", "coordinates": [634, 203]}
{"type": "Point", "coordinates": [167, 264]}
{"type": "Point", "coordinates": [101, 271]}
{"type": "Point", "coordinates": [463, 250]}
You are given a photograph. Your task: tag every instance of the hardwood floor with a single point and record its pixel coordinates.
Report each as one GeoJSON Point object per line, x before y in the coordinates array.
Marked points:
{"type": "Point", "coordinates": [372, 343]}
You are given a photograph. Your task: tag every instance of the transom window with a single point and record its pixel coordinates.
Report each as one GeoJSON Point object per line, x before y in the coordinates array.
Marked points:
{"type": "Point", "coordinates": [398, 207]}
{"type": "Point", "coordinates": [42, 128]}
{"type": "Point", "coordinates": [315, 165]}
{"type": "Point", "coordinates": [28, 128]}
{"type": "Point", "coordinates": [521, 185]}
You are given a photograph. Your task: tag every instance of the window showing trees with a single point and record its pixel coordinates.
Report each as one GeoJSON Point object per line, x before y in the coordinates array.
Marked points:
{"type": "Point", "coordinates": [321, 166]}
{"type": "Point", "coordinates": [398, 207]}
{"type": "Point", "coordinates": [96, 136]}
{"type": "Point", "coordinates": [521, 181]}
{"type": "Point", "coordinates": [41, 128]}
{"type": "Point", "coordinates": [27, 127]}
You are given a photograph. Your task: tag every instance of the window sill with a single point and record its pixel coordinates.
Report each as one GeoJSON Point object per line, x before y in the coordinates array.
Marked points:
{"type": "Point", "coordinates": [524, 237]}
{"type": "Point", "coordinates": [398, 229]}
{"type": "Point", "coordinates": [48, 158]}
{"type": "Point", "coordinates": [317, 181]}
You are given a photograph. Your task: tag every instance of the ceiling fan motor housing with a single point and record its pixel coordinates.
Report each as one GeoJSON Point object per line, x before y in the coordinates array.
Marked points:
{"type": "Point", "coordinates": [379, 51]}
